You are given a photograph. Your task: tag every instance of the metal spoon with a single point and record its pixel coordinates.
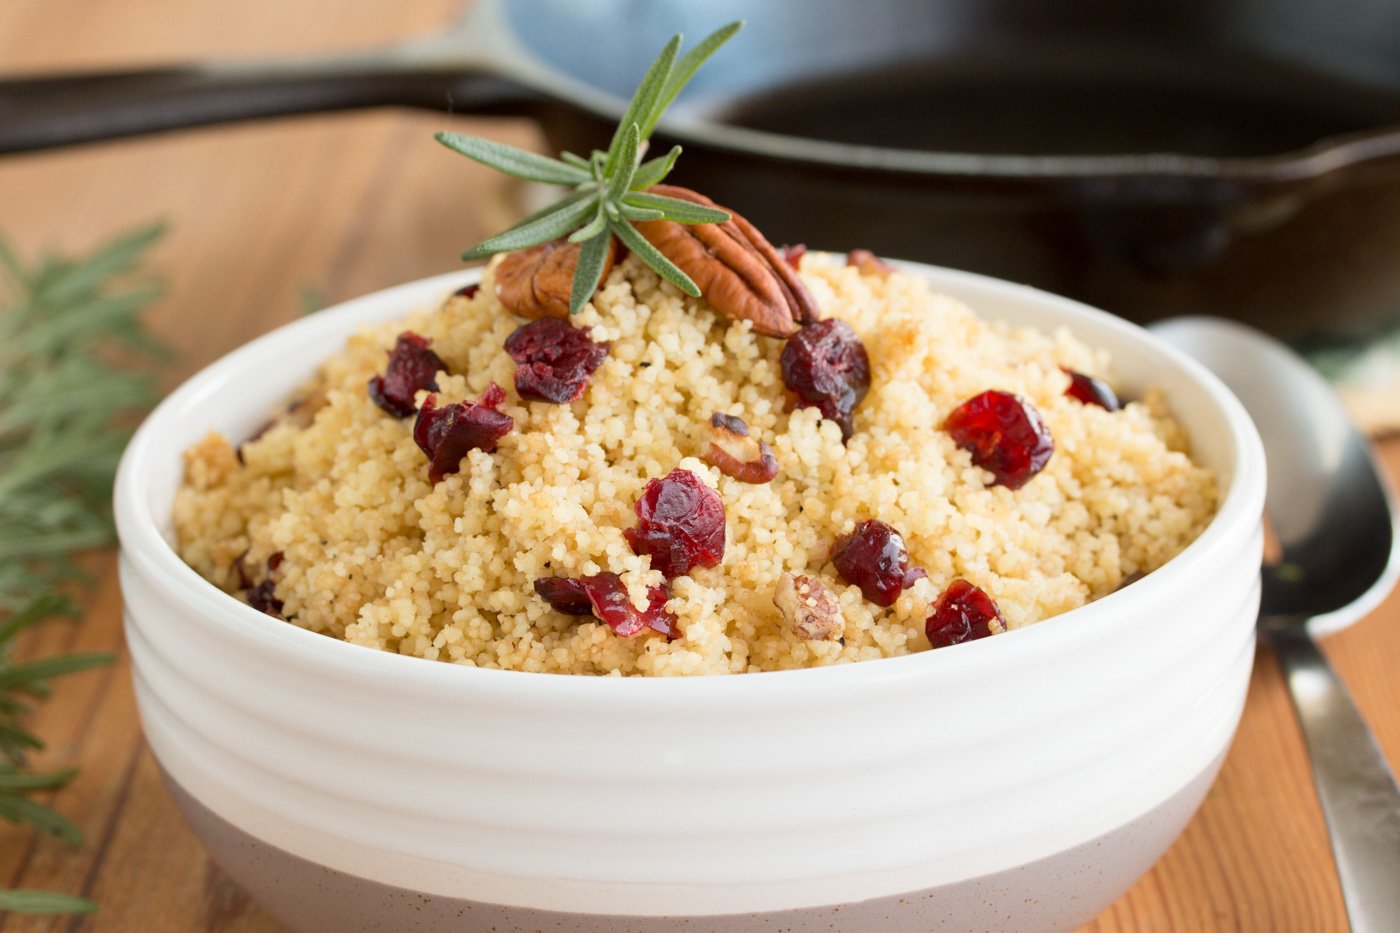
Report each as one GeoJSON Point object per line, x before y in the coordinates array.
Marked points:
{"type": "Point", "coordinates": [1334, 518]}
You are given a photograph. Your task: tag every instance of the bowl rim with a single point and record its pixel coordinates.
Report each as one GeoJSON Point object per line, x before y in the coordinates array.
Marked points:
{"type": "Point", "coordinates": [144, 549]}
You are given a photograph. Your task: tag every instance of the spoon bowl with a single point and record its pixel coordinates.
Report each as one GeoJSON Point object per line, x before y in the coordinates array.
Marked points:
{"type": "Point", "coordinates": [1328, 503]}
{"type": "Point", "coordinates": [1334, 518]}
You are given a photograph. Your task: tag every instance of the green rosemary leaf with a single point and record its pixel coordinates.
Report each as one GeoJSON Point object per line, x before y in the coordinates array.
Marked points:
{"type": "Point", "coordinates": [33, 673]}
{"type": "Point", "coordinates": [682, 212]}
{"type": "Point", "coordinates": [685, 70]}
{"type": "Point", "coordinates": [633, 213]}
{"type": "Point", "coordinates": [533, 232]}
{"type": "Point", "coordinates": [44, 902]}
{"type": "Point", "coordinates": [39, 608]}
{"type": "Point", "coordinates": [49, 544]}
{"type": "Point", "coordinates": [72, 281]}
{"type": "Point", "coordinates": [37, 689]}
{"type": "Point", "coordinates": [588, 194]}
{"type": "Point", "coordinates": [517, 162]}
{"type": "Point", "coordinates": [597, 225]}
{"type": "Point", "coordinates": [11, 779]}
{"type": "Point", "coordinates": [310, 299]}
{"type": "Point", "coordinates": [10, 265]}
{"type": "Point", "coordinates": [65, 410]}
{"type": "Point", "coordinates": [643, 103]}
{"type": "Point", "coordinates": [621, 179]}
{"type": "Point", "coordinates": [18, 809]}
{"type": "Point", "coordinates": [606, 181]}
{"type": "Point", "coordinates": [591, 259]}
{"type": "Point", "coordinates": [14, 741]}
{"type": "Point", "coordinates": [654, 258]}
{"type": "Point", "coordinates": [577, 162]}
{"type": "Point", "coordinates": [654, 171]}
{"type": "Point", "coordinates": [99, 316]}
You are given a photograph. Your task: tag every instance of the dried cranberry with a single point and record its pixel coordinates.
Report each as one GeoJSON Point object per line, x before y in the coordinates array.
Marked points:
{"type": "Point", "coordinates": [604, 597]}
{"type": "Point", "coordinates": [874, 558]}
{"type": "Point", "coordinates": [446, 434]}
{"type": "Point", "coordinates": [564, 594]}
{"type": "Point", "coordinates": [612, 605]}
{"type": "Point", "coordinates": [793, 254]}
{"type": "Point", "coordinates": [680, 523]}
{"type": "Point", "coordinates": [554, 359]}
{"type": "Point", "coordinates": [1090, 391]}
{"type": "Point", "coordinates": [263, 598]}
{"type": "Point", "coordinates": [412, 366]}
{"type": "Point", "coordinates": [468, 291]}
{"type": "Point", "coordinates": [826, 365]}
{"type": "Point", "coordinates": [961, 613]}
{"type": "Point", "coordinates": [1005, 435]}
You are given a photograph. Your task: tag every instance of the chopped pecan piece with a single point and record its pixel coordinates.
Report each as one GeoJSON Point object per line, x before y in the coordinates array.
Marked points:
{"type": "Point", "coordinates": [738, 271]}
{"type": "Point", "coordinates": [868, 263]}
{"type": "Point", "coordinates": [536, 282]}
{"type": "Point", "coordinates": [809, 608]}
{"type": "Point", "coordinates": [792, 253]}
{"type": "Point", "coordinates": [753, 462]}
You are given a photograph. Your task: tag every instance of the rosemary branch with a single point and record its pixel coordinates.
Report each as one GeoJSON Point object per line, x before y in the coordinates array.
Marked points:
{"type": "Point", "coordinates": [609, 188]}
{"type": "Point", "coordinates": [68, 329]}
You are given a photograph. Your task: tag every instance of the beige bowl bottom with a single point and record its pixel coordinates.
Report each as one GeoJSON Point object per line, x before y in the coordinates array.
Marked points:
{"type": "Point", "coordinates": [311, 898]}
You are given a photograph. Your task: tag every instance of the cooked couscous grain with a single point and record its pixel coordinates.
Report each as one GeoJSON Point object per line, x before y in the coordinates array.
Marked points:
{"type": "Point", "coordinates": [372, 552]}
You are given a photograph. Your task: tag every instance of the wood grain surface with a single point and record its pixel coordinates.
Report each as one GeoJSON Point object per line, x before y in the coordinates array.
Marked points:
{"type": "Point", "coordinates": [341, 205]}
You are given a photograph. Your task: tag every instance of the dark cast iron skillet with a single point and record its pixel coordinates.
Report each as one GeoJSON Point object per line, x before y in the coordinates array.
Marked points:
{"type": "Point", "coordinates": [1155, 157]}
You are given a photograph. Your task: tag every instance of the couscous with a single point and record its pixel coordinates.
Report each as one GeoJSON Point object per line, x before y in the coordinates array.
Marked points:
{"type": "Point", "coordinates": [336, 519]}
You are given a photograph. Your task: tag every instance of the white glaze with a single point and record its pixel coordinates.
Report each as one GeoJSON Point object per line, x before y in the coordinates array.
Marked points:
{"type": "Point", "coordinates": [699, 796]}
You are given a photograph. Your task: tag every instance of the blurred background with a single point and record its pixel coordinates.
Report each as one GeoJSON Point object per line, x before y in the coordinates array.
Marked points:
{"type": "Point", "coordinates": [1021, 139]}
{"type": "Point", "coordinates": [1167, 157]}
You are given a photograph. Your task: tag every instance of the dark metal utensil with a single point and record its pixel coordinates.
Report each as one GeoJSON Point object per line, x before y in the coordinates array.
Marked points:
{"type": "Point", "coordinates": [1238, 157]}
{"type": "Point", "coordinates": [1334, 519]}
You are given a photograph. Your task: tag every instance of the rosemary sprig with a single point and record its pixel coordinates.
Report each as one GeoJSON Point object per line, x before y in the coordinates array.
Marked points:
{"type": "Point", "coordinates": [65, 405]}
{"type": "Point", "coordinates": [609, 188]}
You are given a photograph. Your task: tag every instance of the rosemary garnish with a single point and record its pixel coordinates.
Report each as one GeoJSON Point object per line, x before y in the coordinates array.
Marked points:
{"type": "Point", "coordinates": [609, 187]}
{"type": "Point", "coordinates": [65, 408]}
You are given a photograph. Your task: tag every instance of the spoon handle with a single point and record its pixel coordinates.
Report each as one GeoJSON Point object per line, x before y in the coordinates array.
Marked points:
{"type": "Point", "coordinates": [1359, 795]}
{"type": "Point", "coordinates": [64, 109]}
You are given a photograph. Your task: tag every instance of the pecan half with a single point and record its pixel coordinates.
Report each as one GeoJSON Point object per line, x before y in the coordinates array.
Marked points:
{"type": "Point", "coordinates": [737, 455]}
{"type": "Point", "coordinates": [536, 282]}
{"type": "Point", "coordinates": [868, 263]}
{"type": "Point", "coordinates": [809, 608]}
{"type": "Point", "coordinates": [738, 271]}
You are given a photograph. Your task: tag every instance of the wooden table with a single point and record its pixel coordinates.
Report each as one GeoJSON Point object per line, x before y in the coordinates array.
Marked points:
{"type": "Point", "coordinates": [346, 204]}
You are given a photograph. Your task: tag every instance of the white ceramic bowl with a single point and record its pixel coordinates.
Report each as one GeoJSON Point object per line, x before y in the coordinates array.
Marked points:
{"type": "Point", "coordinates": [1022, 781]}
